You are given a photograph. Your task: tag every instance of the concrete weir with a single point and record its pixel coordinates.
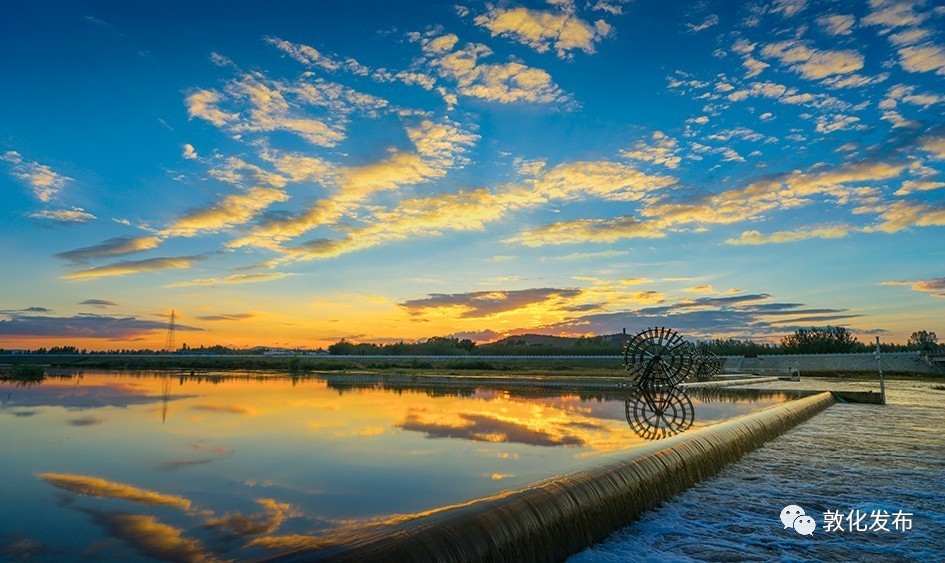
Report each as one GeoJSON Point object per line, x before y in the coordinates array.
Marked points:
{"type": "Point", "coordinates": [553, 519]}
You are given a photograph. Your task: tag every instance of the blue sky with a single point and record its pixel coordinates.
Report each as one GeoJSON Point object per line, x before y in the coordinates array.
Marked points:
{"type": "Point", "coordinates": [300, 172]}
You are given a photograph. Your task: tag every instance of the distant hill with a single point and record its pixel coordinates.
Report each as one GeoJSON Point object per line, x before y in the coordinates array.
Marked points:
{"type": "Point", "coordinates": [553, 341]}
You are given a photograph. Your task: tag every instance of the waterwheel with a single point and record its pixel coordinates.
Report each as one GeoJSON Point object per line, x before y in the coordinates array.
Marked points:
{"type": "Point", "coordinates": [658, 358]}
{"type": "Point", "coordinates": [706, 365]}
{"type": "Point", "coordinates": [659, 413]}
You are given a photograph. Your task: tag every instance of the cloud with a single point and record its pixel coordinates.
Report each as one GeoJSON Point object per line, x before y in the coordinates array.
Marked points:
{"type": "Point", "coordinates": [825, 232]}
{"type": "Point", "coordinates": [232, 210]}
{"type": "Point", "coordinates": [707, 22]}
{"type": "Point", "coordinates": [902, 94]}
{"type": "Point", "coordinates": [224, 408]}
{"type": "Point", "coordinates": [235, 278]}
{"type": "Point", "coordinates": [110, 248]}
{"type": "Point", "coordinates": [189, 152]}
{"type": "Point", "coordinates": [830, 123]}
{"type": "Point", "coordinates": [479, 304]}
{"type": "Point", "coordinates": [128, 267]}
{"type": "Point", "coordinates": [785, 95]}
{"type": "Point", "coordinates": [100, 303]}
{"type": "Point", "coordinates": [151, 538]}
{"type": "Point", "coordinates": [243, 526]}
{"type": "Point", "coordinates": [485, 428]}
{"type": "Point", "coordinates": [230, 317]}
{"type": "Point", "coordinates": [587, 230]}
{"type": "Point", "coordinates": [86, 421]}
{"type": "Point", "coordinates": [438, 147]}
{"type": "Point", "coordinates": [837, 24]}
{"type": "Point", "coordinates": [43, 180]}
{"type": "Point", "coordinates": [74, 215]}
{"type": "Point", "coordinates": [739, 316]}
{"type": "Point", "coordinates": [93, 397]}
{"type": "Point", "coordinates": [95, 486]}
{"type": "Point", "coordinates": [811, 63]}
{"type": "Point", "coordinates": [913, 186]}
{"type": "Point", "coordinates": [472, 210]}
{"type": "Point", "coordinates": [511, 82]}
{"type": "Point", "coordinates": [780, 191]}
{"type": "Point", "coordinates": [544, 30]}
{"type": "Point", "coordinates": [935, 286]}
{"type": "Point", "coordinates": [82, 326]}
{"type": "Point", "coordinates": [891, 14]}
{"type": "Point", "coordinates": [900, 215]}
{"type": "Point", "coordinates": [663, 151]}
{"type": "Point", "coordinates": [753, 66]}
{"type": "Point", "coordinates": [915, 54]}
{"type": "Point", "coordinates": [788, 8]}
{"type": "Point", "coordinates": [312, 57]}
{"type": "Point", "coordinates": [330, 62]}
{"type": "Point", "coordinates": [927, 57]}
{"type": "Point", "coordinates": [934, 145]}
{"type": "Point", "coordinates": [315, 109]}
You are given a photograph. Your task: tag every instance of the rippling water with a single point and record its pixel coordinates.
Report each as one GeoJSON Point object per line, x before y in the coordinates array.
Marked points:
{"type": "Point", "coordinates": [850, 457]}
{"type": "Point", "coordinates": [124, 466]}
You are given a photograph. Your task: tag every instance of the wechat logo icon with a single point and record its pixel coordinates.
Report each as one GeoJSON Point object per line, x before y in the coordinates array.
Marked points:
{"type": "Point", "coordinates": [793, 516]}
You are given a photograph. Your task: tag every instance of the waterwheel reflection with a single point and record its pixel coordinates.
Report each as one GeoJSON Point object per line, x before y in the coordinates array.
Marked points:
{"type": "Point", "coordinates": [658, 413]}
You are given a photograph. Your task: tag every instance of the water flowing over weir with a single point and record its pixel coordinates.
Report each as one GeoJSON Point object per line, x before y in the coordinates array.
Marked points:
{"type": "Point", "coordinates": [562, 516]}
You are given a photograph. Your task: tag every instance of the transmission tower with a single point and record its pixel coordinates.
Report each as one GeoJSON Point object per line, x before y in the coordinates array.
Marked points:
{"type": "Point", "coordinates": [169, 345]}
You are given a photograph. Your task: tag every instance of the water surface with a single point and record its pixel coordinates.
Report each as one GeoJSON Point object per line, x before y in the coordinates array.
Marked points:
{"type": "Point", "coordinates": [111, 465]}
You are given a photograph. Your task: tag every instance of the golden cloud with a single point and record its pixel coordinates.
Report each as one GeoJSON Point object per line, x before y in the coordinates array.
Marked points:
{"type": "Point", "coordinates": [234, 209]}
{"type": "Point", "coordinates": [94, 486]}
{"type": "Point", "coordinates": [587, 230]}
{"type": "Point", "coordinates": [152, 538]}
{"type": "Point", "coordinates": [235, 278]}
{"type": "Point", "coordinates": [544, 30]}
{"type": "Point", "coordinates": [826, 232]}
{"type": "Point", "coordinates": [128, 267]}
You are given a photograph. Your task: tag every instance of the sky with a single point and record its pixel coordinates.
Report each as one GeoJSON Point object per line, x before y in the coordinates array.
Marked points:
{"type": "Point", "coordinates": [294, 173]}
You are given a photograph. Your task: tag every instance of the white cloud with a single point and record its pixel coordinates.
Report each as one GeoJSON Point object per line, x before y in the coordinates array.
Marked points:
{"type": "Point", "coordinates": [813, 64]}
{"type": "Point", "coordinates": [43, 180]}
{"type": "Point", "coordinates": [74, 215]}
{"type": "Point", "coordinates": [927, 57]}
{"type": "Point", "coordinates": [189, 152]}
{"type": "Point", "coordinates": [837, 24]}
{"type": "Point", "coordinates": [788, 8]}
{"type": "Point", "coordinates": [838, 122]}
{"type": "Point", "coordinates": [707, 22]}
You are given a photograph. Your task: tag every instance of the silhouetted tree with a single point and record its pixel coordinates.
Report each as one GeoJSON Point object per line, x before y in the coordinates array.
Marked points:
{"type": "Point", "coordinates": [826, 340]}
{"type": "Point", "coordinates": [924, 340]}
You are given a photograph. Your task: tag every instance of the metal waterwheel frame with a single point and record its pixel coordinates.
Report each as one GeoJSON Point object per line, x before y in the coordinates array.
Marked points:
{"type": "Point", "coordinates": [658, 357]}
{"type": "Point", "coordinates": [659, 413]}
{"type": "Point", "coordinates": [706, 365]}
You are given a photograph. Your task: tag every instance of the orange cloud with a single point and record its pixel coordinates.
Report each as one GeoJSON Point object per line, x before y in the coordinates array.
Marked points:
{"type": "Point", "coordinates": [94, 486]}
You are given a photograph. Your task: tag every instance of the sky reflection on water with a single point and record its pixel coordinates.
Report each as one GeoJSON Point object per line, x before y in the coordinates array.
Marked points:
{"type": "Point", "coordinates": [119, 465]}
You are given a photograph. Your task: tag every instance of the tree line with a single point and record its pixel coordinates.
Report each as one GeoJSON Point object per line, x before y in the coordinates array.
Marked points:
{"type": "Point", "coordinates": [814, 340]}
